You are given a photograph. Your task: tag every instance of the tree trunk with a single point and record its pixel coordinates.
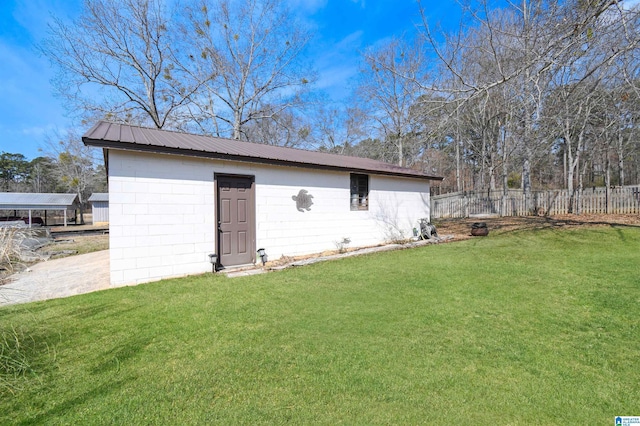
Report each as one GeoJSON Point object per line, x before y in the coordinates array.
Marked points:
{"type": "Point", "coordinates": [458, 177]}
{"type": "Point", "coordinates": [492, 168]}
{"type": "Point", "coordinates": [580, 187]}
{"type": "Point", "coordinates": [526, 181]}
{"type": "Point", "coordinates": [492, 178]}
{"type": "Point", "coordinates": [564, 165]}
{"type": "Point", "coordinates": [620, 159]}
{"type": "Point", "coordinates": [526, 166]}
{"type": "Point", "coordinates": [570, 175]}
{"type": "Point", "coordinates": [458, 141]}
{"type": "Point", "coordinates": [483, 158]}
{"type": "Point", "coordinates": [505, 176]}
{"type": "Point", "coordinates": [237, 117]}
{"type": "Point", "coordinates": [607, 184]}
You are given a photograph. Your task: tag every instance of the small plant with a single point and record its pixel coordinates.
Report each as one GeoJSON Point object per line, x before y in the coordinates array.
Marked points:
{"type": "Point", "coordinates": [13, 253]}
{"type": "Point", "coordinates": [10, 241]}
{"type": "Point", "coordinates": [342, 245]}
{"type": "Point", "coordinates": [285, 259]}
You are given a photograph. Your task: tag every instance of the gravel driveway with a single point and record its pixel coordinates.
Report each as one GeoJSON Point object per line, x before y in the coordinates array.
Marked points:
{"type": "Point", "coordinates": [58, 278]}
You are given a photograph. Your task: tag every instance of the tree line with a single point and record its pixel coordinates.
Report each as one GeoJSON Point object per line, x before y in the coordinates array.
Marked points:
{"type": "Point", "coordinates": [525, 94]}
{"type": "Point", "coordinates": [67, 167]}
{"type": "Point", "coordinates": [538, 94]}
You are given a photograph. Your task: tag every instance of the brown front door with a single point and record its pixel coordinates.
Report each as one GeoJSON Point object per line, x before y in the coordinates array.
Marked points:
{"type": "Point", "coordinates": [236, 224]}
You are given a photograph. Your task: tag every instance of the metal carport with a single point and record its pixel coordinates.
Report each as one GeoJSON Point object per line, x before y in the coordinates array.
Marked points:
{"type": "Point", "coordinates": [33, 201]}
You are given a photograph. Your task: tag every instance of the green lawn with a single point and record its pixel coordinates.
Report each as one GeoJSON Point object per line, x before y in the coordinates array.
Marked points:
{"type": "Point", "coordinates": [521, 328]}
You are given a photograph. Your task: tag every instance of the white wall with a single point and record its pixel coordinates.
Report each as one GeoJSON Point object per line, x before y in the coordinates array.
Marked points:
{"type": "Point", "coordinates": [162, 212]}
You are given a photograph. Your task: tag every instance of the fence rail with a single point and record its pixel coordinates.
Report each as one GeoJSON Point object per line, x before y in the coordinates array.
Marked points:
{"type": "Point", "coordinates": [619, 200]}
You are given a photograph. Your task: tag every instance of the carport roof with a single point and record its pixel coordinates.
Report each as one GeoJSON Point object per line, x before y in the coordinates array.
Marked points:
{"type": "Point", "coordinates": [109, 135]}
{"type": "Point", "coordinates": [97, 197]}
{"type": "Point", "coordinates": [33, 201]}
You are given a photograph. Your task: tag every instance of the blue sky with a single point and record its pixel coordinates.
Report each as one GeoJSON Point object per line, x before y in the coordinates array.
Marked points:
{"type": "Point", "coordinates": [29, 112]}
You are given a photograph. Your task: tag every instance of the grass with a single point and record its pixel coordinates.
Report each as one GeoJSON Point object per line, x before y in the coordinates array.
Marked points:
{"type": "Point", "coordinates": [533, 327]}
{"type": "Point", "coordinates": [81, 244]}
{"type": "Point", "coordinates": [10, 250]}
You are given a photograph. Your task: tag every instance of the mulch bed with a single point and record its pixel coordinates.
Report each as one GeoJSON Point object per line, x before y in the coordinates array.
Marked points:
{"type": "Point", "coordinates": [461, 228]}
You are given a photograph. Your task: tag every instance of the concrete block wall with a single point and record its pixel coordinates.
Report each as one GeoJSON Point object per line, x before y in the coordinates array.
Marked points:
{"type": "Point", "coordinates": [283, 230]}
{"type": "Point", "coordinates": [162, 212]}
{"type": "Point", "coordinates": [161, 217]}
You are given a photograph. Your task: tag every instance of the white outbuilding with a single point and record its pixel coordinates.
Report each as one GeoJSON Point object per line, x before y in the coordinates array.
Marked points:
{"type": "Point", "coordinates": [99, 208]}
{"type": "Point", "coordinates": [176, 199]}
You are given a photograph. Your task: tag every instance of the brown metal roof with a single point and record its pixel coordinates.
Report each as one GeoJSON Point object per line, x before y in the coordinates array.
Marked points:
{"type": "Point", "coordinates": [121, 136]}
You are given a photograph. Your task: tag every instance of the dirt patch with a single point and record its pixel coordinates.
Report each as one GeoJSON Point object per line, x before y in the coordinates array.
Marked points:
{"type": "Point", "coordinates": [77, 244]}
{"type": "Point", "coordinates": [461, 228]}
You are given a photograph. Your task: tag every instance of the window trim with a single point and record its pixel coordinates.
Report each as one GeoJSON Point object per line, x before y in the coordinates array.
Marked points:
{"type": "Point", "coordinates": [359, 192]}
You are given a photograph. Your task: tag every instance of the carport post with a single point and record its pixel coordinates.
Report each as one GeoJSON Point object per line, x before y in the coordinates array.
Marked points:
{"type": "Point", "coordinates": [29, 218]}
{"type": "Point", "coordinates": [65, 217]}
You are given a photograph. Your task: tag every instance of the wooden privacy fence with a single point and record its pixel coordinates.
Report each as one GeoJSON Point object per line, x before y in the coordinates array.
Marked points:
{"type": "Point", "coordinates": [620, 200]}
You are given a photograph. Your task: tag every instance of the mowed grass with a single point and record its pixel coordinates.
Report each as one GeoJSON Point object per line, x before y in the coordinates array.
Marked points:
{"type": "Point", "coordinates": [522, 328]}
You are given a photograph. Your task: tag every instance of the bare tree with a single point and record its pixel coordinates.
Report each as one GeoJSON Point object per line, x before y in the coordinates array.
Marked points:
{"type": "Point", "coordinates": [524, 55]}
{"type": "Point", "coordinates": [117, 61]}
{"type": "Point", "coordinates": [254, 52]}
{"type": "Point", "coordinates": [387, 92]}
{"type": "Point", "coordinates": [337, 128]}
{"type": "Point", "coordinates": [73, 165]}
{"type": "Point", "coordinates": [570, 110]}
{"type": "Point", "coordinates": [624, 102]}
{"type": "Point", "coordinates": [476, 66]}
{"type": "Point", "coordinates": [283, 129]}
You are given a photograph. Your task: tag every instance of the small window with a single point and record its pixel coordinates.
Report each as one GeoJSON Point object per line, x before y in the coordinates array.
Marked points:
{"type": "Point", "coordinates": [359, 192]}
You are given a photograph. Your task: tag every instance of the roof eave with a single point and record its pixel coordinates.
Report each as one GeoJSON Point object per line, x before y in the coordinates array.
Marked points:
{"type": "Point", "coordinates": [37, 206]}
{"type": "Point", "coordinates": [126, 146]}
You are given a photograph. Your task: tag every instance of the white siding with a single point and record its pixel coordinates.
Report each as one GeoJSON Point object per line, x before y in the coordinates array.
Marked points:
{"type": "Point", "coordinates": [162, 212]}
{"type": "Point", "coordinates": [100, 212]}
